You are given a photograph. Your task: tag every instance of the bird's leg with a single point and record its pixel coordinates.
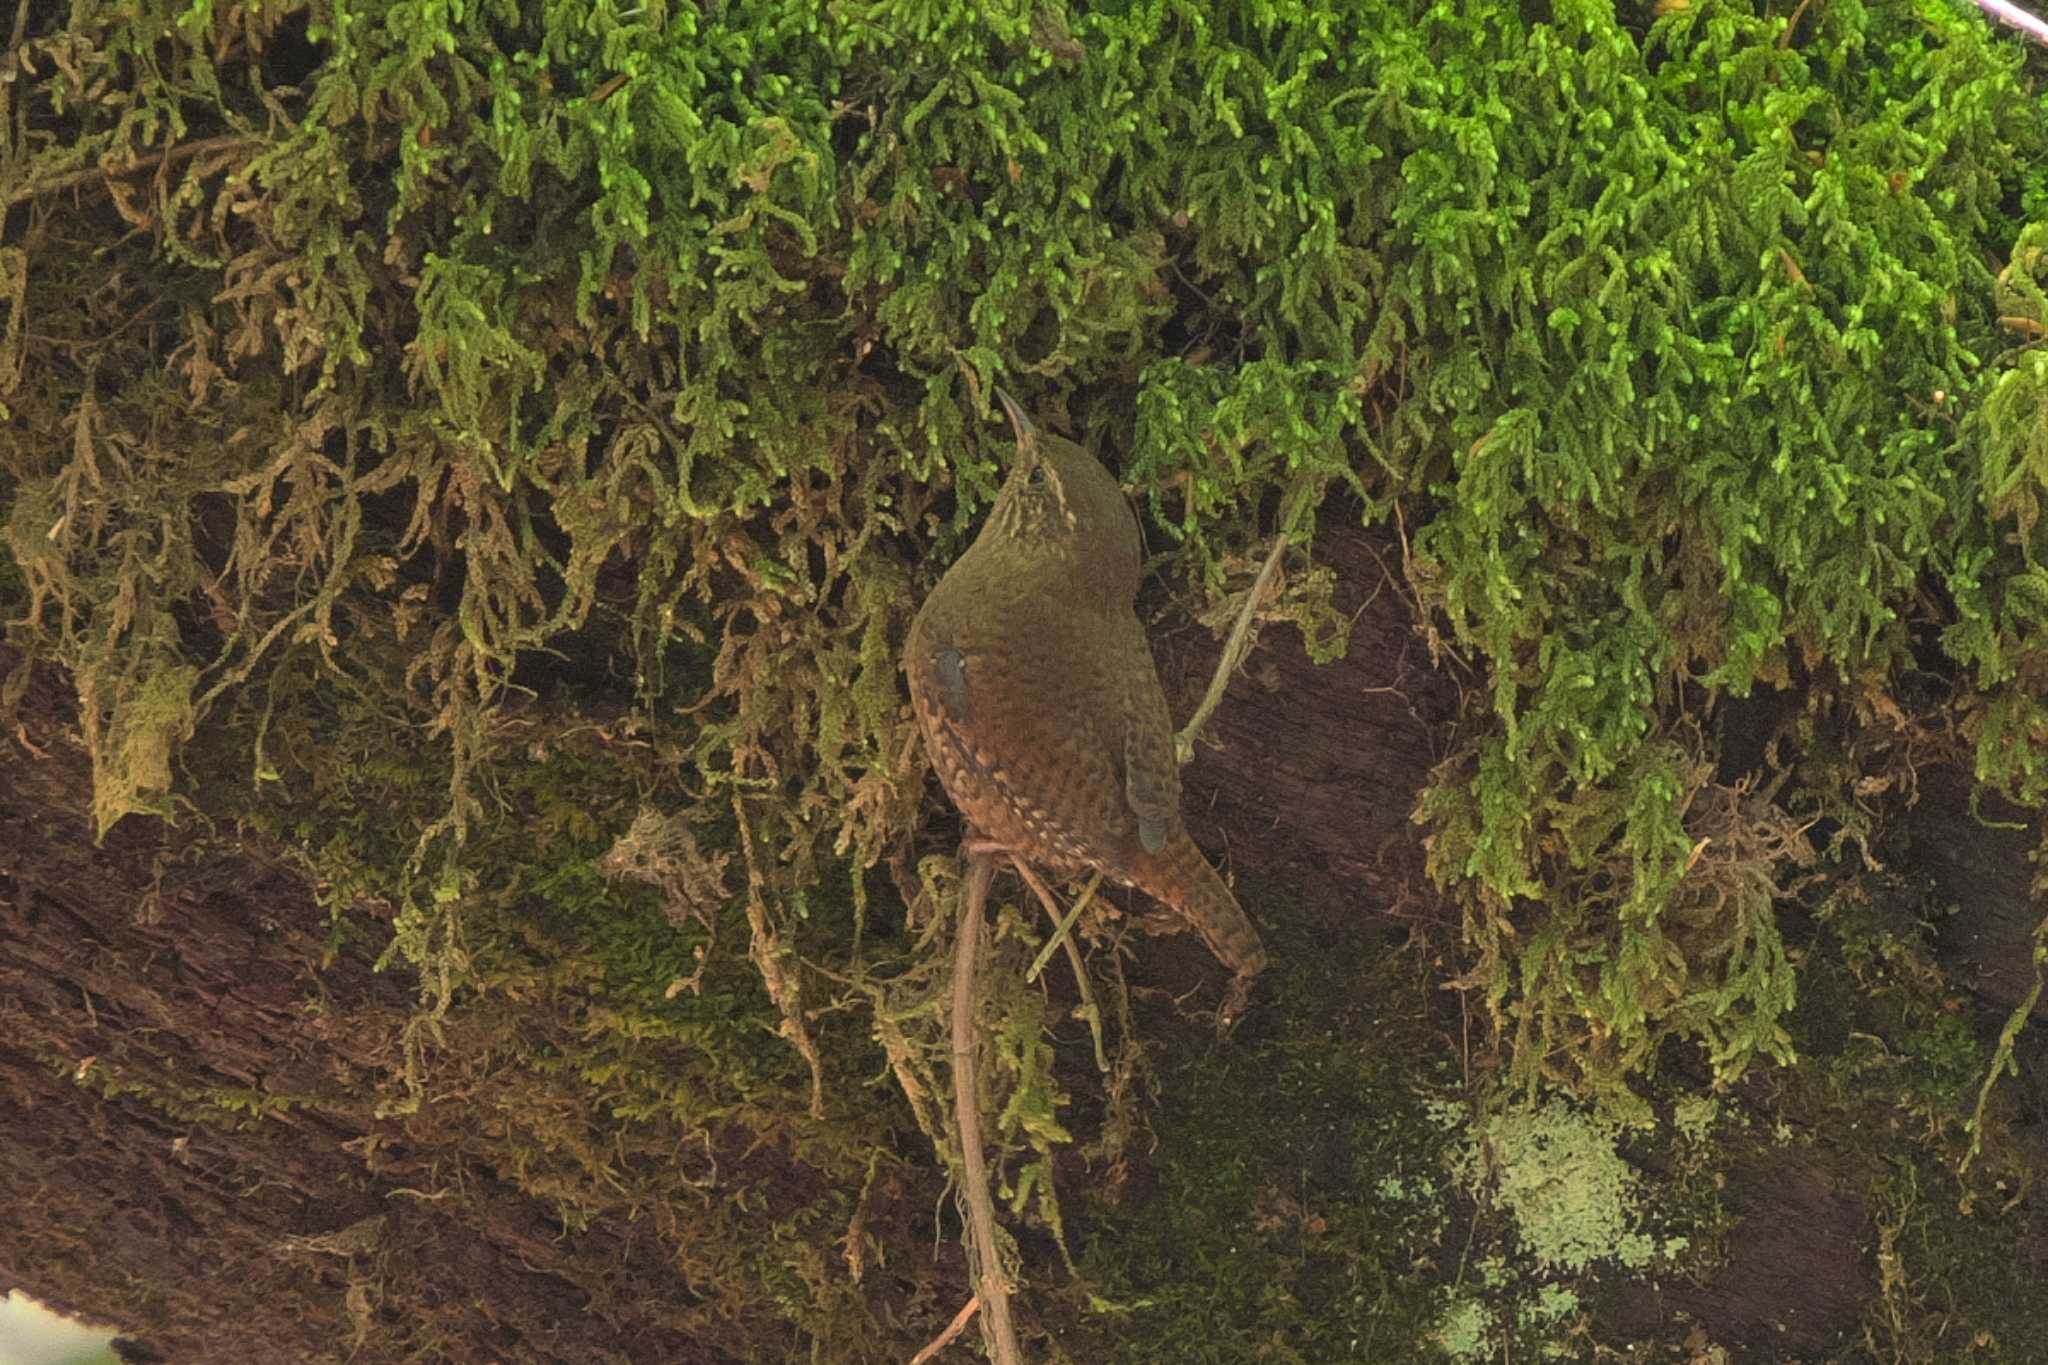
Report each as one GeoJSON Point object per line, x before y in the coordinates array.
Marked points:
{"type": "Point", "coordinates": [1063, 929]}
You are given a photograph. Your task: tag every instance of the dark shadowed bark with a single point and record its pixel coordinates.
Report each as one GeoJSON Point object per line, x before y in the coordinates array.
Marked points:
{"type": "Point", "coordinates": [174, 960]}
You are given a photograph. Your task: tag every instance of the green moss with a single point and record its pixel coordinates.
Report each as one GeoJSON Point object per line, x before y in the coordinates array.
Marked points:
{"type": "Point", "coordinates": [1557, 1174]}
{"type": "Point", "coordinates": [1673, 348]}
{"type": "Point", "coordinates": [1466, 1330]}
{"type": "Point", "coordinates": [469, 424]}
{"type": "Point", "coordinates": [1301, 1236]}
{"type": "Point", "coordinates": [142, 1078]}
{"type": "Point", "coordinates": [1486, 1310]}
{"type": "Point", "coordinates": [1891, 1082]}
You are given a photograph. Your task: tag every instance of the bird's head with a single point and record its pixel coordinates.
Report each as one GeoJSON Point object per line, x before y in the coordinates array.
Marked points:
{"type": "Point", "coordinates": [1036, 502]}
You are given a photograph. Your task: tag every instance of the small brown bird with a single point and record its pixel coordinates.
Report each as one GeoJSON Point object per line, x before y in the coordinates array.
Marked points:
{"type": "Point", "coordinates": [1040, 704]}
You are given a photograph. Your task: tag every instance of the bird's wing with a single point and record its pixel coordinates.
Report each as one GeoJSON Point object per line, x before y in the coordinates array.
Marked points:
{"type": "Point", "coordinates": [1151, 775]}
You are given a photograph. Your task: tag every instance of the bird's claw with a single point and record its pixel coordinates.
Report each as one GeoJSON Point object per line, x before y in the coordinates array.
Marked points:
{"type": "Point", "coordinates": [1235, 1001]}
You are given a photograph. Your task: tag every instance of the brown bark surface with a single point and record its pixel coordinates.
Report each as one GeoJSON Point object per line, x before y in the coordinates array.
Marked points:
{"type": "Point", "coordinates": [1979, 857]}
{"type": "Point", "coordinates": [174, 960]}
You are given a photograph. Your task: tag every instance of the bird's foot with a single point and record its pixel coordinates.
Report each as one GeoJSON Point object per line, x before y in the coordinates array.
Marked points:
{"type": "Point", "coordinates": [1160, 922]}
{"type": "Point", "coordinates": [1235, 1002]}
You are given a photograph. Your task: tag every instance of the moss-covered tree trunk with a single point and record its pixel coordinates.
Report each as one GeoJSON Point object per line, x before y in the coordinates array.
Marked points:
{"type": "Point", "coordinates": [191, 1145]}
{"type": "Point", "coordinates": [481, 457]}
{"type": "Point", "coordinates": [191, 1061]}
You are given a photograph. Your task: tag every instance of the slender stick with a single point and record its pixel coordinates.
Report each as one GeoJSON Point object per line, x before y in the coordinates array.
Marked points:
{"type": "Point", "coordinates": [984, 1254]}
{"type": "Point", "coordinates": [2017, 17]}
{"type": "Point", "coordinates": [940, 1342]}
{"type": "Point", "coordinates": [154, 162]}
{"type": "Point", "coordinates": [1063, 936]}
{"type": "Point", "coordinates": [1239, 643]}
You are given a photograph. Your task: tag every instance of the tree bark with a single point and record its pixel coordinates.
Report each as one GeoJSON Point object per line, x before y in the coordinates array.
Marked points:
{"type": "Point", "coordinates": [176, 961]}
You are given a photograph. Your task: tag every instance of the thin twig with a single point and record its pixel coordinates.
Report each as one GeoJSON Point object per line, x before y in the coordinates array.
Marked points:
{"type": "Point", "coordinates": [945, 1338]}
{"type": "Point", "coordinates": [155, 162]}
{"type": "Point", "coordinates": [2020, 19]}
{"type": "Point", "coordinates": [1240, 631]}
{"type": "Point", "coordinates": [984, 1254]}
{"type": "Point", "coordinates": [1792, 24]}
{"type": "Point", "coordinates": [1063, 936]}
{"type": "Point", "coordinates": [2002, 1059]}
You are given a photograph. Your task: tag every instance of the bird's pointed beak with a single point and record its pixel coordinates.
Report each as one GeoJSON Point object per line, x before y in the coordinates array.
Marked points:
{"type": "Point", "coordinates": [1027, 435]}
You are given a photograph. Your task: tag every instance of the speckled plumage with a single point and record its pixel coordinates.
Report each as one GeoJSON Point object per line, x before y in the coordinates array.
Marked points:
{"type": "Point", "coordinates": [1041, 707]}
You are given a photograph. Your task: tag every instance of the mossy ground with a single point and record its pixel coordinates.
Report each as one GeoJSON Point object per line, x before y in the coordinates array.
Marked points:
{"type": "Point", "coordinates": [1338, 1183]}
{"type": "Point", "coordinates": [1298, 1205]}
{"type": "Point", "coordinates": [1893, 1055]}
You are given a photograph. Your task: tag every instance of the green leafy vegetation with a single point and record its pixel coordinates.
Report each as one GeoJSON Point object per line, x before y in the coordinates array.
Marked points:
{"type": "Point", "coordinates": [435, 433]}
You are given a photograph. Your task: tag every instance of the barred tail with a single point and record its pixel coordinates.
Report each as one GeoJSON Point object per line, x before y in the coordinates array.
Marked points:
{"type": "Point", "coordinates": [1181, 878]}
